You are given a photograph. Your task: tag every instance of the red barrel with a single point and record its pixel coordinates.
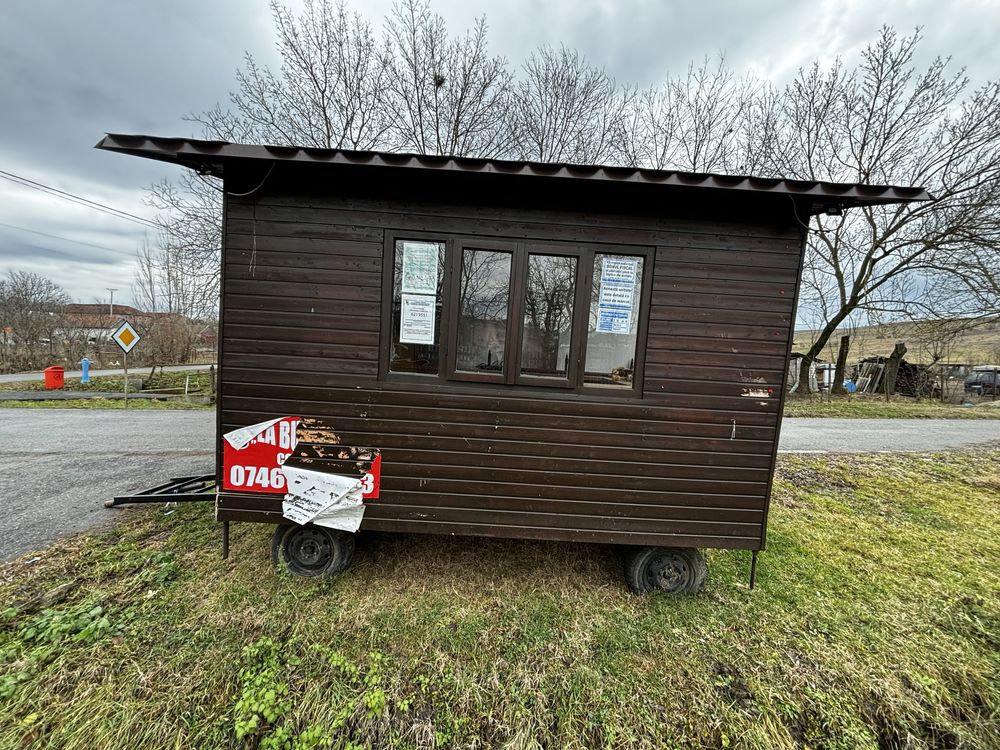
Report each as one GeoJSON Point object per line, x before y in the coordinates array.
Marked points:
{"type": "Point", "coordinates": [53, 378]}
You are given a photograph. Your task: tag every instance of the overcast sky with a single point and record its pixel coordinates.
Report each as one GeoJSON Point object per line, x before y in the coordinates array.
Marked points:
{"type": "Point", "coordinates": [72, 71]}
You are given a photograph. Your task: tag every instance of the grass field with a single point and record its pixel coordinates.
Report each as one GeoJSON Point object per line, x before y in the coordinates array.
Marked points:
{"type": "Point", "coordinates": [875, 624]}
{"type": "Point", "coordinates": [106, 403]}
{"type": "Point", "coordinates": [864, 406]}
{"type": "Point", "coordinates": [199, 384]}
{"type": "Point", "coordinates": [197, 381]}
{"type": "Point", "coordinates": [977, 346]}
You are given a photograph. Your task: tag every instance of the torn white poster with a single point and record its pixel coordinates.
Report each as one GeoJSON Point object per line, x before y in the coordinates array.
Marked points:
{"type": "Point", "coordinates": [324, 499]}
{"type": "Point", "coordinates": [420, 268]}
{"type": "Point", "coordinates": [416, 319]}
{"type": "Point", "coordinates": [240, 438]}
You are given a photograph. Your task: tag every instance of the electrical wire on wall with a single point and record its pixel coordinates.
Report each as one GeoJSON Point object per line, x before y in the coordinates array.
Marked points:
{"type": "Point", "coordinates": [805, 225]}
{"type": "Point", "coordinates": [253, 211]}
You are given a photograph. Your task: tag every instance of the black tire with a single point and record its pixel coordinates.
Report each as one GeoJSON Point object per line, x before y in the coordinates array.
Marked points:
{"type": "Point", "coordinates": [311, 551]}
{"type": "Point", "coordinates": [672, 570]}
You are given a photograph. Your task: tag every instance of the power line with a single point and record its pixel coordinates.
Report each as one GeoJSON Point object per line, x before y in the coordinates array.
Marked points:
{"type": "Point", "coordinates": [25, 182]}
{"type": "Point", "coordinates": [67, 239]}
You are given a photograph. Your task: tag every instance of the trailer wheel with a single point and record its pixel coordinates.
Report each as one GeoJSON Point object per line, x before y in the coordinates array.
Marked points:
{"type": "Point", "coordinates": [311, 551]}
{"type": "Point", "coordinates": [674, 570]}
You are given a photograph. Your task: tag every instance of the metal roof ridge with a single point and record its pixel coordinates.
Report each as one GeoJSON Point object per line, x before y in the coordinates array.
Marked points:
{"type": "Point", "coordinates": [187, 151]}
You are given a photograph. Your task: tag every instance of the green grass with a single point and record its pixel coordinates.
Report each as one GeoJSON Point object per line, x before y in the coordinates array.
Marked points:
{"type": "Point", "coordinates": [197, 381]}
{"type": "Point", "coordinates": [199, 384]}
{"type": "Point", "coordinates": [876, 407]}
{"type": "Point", "coordinates": [106, 403]}
{"type": "Point", "coordinates": [876, 623]}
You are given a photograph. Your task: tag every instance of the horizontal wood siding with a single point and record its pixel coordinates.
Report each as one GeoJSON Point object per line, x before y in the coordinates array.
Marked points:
{"type": "Point", "coordinates": [688, 463]}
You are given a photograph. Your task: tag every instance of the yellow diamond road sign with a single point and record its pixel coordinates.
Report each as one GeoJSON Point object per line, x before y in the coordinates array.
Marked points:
{"type": "Point", "coordinates": [126, 336]}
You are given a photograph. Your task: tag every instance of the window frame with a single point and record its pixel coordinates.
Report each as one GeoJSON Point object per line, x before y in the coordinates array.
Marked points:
{"type": "Point", "coordinates": [455, 290]}
{"type": "Point", "coordinates": [388, 290]}
{"type": "Point", "coordinates": [576, 340]}
{"type": "Point", "coordinates": [511, 378]}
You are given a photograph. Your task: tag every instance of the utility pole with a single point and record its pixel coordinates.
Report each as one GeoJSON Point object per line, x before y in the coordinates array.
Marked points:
{"type": "Point", "coordinates": [111, 307]}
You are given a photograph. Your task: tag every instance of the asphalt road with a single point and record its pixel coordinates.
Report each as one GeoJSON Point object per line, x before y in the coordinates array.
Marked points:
{"type": "Point", "coordinates": [57, 467]}
{"type": "Point", "coordinates": [884, 435]}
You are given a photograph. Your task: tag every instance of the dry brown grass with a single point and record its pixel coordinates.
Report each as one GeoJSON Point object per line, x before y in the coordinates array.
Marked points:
{"type": "Point", "coordinates": [979, 345]}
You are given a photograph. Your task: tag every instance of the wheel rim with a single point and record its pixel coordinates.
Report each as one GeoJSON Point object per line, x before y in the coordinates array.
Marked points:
{"type": "Point", "coordinates": [308, 549]}
{"type": "Point", "coordinates": [668, 572]}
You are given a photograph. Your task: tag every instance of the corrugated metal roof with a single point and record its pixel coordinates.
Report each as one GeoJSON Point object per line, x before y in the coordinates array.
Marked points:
{"type": "Point", "coordinates": [210, 157]}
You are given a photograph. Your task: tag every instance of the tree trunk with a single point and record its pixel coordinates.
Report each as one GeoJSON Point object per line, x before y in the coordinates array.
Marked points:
{"type": "Point", "coordinates": [805, 377]}
{"type": "Point", "coordinates": [837, 387]}
{"type": "Point", "coordinates": [810, 356]}
{"type": "Point", "coordinates": [892, 367]}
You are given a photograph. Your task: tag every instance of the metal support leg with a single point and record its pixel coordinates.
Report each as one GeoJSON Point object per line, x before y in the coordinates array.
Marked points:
{"type": "Point", "coordinates": [753, 569]}
{"type": "Point", "coordinates": [225, 540]}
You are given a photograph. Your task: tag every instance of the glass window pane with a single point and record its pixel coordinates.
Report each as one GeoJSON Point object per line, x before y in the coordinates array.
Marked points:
{"type": "Point", "coordinates": [548, 315]}
{"type": "Point", "coordinates": [418, 270]}
{"type": "Point", "coordinates": [482, 318]}
{"type": "Point", "coordinates": [613, 321]}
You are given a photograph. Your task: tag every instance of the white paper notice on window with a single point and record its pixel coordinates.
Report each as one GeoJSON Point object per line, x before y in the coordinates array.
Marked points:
{"type": "Point", "coordinates": [617, 294]}
{"type": "Point", "coordinates": [416, 319]}
{"type": "Point", "coordinates": [610, 320]}
{"type": "Point", "coordinates": [617, 269]}
{"type": "Point", "coordinates": [420, 268]}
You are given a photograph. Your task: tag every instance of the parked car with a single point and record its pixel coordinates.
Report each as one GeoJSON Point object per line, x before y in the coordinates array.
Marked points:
{"type": "Point", "coordinates": [984, 381]}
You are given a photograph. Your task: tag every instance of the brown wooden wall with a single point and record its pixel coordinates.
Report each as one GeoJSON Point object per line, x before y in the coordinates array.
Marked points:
{"type": "Point", "coordinates": [689, 463]}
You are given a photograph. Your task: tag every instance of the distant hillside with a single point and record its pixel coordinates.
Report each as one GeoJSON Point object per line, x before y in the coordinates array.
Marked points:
{"type": "Point", "coordinates": [977, 346]}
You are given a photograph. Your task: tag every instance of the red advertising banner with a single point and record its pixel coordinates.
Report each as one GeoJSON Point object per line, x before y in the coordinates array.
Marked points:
{"type": "Point", "coordinates": [370, 482]}
{"type": "Point", "coordinates": [252, 458]}
{"type": "Point", "coordinates": [256, 466]}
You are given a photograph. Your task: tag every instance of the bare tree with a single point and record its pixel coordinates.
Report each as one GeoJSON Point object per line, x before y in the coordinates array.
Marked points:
{"type": "Point", "coordinates": [163, 282]}
{"type": "Point", "coordinates": [190, 242]}
{"type": "Point", "coordinates": [568, 110]}
{"type": "Point", "coordinates": [173, 301]}
{"type": "Point", "coordinates": [709, 120]}
{"type": "Point", "coordinates": [31, 308]}
{"type": "Point", "coordinates": [446, 95]}
{"type": "Point", "coordinates": [878, 122]}
{"type": "Point", "coordinates": [328, 93]}
{"type": "Point", "coordinates": [647, 137]}
{"type": "Point", "coordinates": [883, 123]}
{"type": "Point", "coordinates": [712, 105]}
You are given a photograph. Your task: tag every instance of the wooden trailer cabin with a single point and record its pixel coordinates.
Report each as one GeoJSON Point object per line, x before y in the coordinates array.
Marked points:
{"type": "Point", "coordinates": [540, 351]}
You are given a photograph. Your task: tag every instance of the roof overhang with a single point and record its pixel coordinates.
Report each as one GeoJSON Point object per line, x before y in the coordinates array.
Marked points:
{"type": "Point", "coordinates": [211, 158]}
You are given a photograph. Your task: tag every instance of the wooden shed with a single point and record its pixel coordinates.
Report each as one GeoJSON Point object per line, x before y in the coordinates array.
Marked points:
{"type": "Point", "coordinates": [541, 351]}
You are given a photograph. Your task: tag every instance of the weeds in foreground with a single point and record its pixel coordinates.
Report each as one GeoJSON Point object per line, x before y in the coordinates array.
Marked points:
{"type": "Point", "coordinates": [876, 623]}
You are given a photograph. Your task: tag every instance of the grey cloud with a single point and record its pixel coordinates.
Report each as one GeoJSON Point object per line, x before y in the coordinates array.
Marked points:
{"type": "Point", "coordinates": [73, 70]}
